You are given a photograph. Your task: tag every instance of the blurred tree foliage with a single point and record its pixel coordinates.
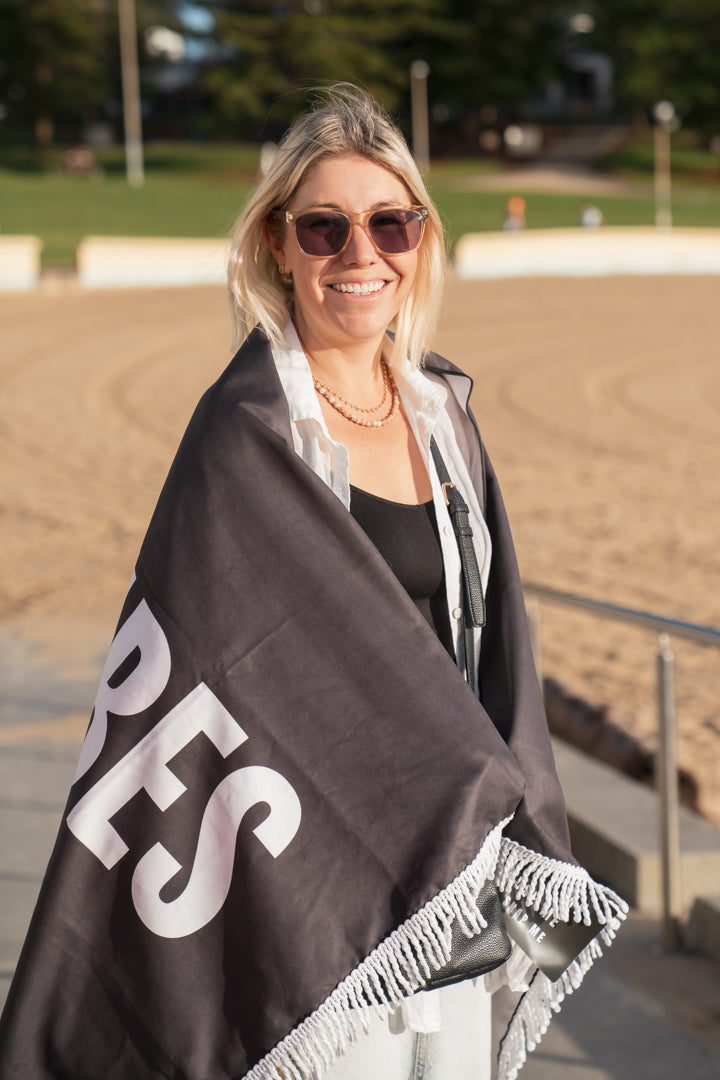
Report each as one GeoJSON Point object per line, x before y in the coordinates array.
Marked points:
{"type": "Point", "coordinates": [279, 48]}
{"type": "Point", "coordinates": [51, 59]}
{"type": "Point", "coordinates": [60, 62]}
{"type": "Point", "coordinates": [479, 51]}
{"type": "Point", "coordinates": [663, 49]}
{"type": "Point", "coordinates": [499, 50]}
{"type": "Point", "coordinates": [59, 59]}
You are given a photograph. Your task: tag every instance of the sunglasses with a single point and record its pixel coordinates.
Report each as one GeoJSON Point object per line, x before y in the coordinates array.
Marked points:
{"type": "Point", "coordinates": [394, 230]}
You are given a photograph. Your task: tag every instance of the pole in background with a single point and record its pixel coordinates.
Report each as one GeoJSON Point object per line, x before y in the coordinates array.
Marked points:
{"type": "Point", "coordinates": [669, 802]}
{"type": "Point", "coordinates": [666, 121]}
{"type": "Point", "coordinates": [134, 166]}
{"type": "Point", "coordinates": [419, 71]}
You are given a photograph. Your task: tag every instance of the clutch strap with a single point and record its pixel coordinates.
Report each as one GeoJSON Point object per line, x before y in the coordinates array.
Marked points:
{"type": "Point", "coordinates": [474, 613]}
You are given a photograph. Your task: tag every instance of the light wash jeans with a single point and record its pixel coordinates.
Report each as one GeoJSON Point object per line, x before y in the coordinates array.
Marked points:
{"type": "Point", "coordinates": [459, 1051]}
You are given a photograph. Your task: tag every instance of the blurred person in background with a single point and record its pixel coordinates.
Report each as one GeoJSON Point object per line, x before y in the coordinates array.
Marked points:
{"type": "Point", "coordinates": [515, 214]}
{"type": "Point", "coordinates": [591, 216]}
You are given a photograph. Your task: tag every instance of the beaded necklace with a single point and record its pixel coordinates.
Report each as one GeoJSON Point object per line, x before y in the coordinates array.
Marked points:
{"type": "Point", "coordinates": [344, 407]}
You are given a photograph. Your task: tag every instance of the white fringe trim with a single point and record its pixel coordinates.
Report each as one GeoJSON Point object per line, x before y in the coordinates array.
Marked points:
{"type": "Point", "coordinates": [401, 964]}
{"type": "Point", "coordinates": [561, 891]}
{"type": "Point", "coordinates": [397, 968]}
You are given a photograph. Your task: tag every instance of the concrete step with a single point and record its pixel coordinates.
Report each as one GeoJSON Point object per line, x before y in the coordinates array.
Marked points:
{"type": "Point", "coordinates": [615, 829]}
{"type": "Point", "coordinates": [703, 928]}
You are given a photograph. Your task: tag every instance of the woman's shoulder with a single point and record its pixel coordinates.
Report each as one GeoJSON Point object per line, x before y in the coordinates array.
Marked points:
{"type": "Point", "coordinates": [460, 418]}
{"type": "Point", "coordinates": [250, 381]}
{"type": "Point", "coordinates": [246, 374]}
{"type": "Point", "coordinates": [440, 365]}
{"type": "Point", "coordinates": [246, 396]}
{"type": "Point", "coordinates": [460, 386]}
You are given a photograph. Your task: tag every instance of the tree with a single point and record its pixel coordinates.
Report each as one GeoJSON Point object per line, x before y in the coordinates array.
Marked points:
{"type": "Point", "coordinates": [279, 48]}
{"type": "Point", "coordinates": [664, 49]}
{"type": "Point", "coordinates": [500, 51]}
{"type": "Point", "coordinates": [479, 51]}
{"type": "Point", "coordinates": [60, 64]}
{"type": "Point", "coordinates": [51, 62]}
{"type": "Point", "coordinates": [500, 54]}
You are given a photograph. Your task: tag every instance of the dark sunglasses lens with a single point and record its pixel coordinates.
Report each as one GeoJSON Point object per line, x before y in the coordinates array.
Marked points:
{"type": "Point", "coordinates": [396, 231]}
{"type": "Point", "coordinates": [322, 233]}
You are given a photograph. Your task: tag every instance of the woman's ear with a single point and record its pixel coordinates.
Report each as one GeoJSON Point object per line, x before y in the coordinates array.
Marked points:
{"type": "Point", "coordinates": [275, 243]}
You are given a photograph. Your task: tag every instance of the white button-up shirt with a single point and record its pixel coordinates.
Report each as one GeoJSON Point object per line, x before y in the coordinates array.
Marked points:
{"type": "Point", "coordinates": [432, 409]}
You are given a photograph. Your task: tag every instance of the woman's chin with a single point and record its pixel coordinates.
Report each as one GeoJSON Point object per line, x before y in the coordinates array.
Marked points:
{"type": "Point", "coordinates": [354, 327]}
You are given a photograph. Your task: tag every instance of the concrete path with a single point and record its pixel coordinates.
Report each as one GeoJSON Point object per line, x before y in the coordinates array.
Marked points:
{"type": "Point", "coordinates": [45, 704]}
{"type": "Point", "coordinates": [640, 1014]}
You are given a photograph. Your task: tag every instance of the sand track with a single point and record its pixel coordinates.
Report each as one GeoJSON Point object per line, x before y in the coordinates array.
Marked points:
{"type": "Point", "coordinates": [599, 401]}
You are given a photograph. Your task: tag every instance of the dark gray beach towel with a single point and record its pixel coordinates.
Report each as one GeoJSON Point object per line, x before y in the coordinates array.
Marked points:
{"type": "Point", "coordinates": [287, 791]}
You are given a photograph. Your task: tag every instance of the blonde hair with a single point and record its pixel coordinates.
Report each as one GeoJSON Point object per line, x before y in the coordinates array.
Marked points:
{"type": "Point", "coordinates": [344, 120]}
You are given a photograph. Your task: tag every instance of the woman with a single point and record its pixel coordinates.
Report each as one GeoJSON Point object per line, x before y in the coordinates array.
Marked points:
{"type": "Point", "coordinates": [318, 742]}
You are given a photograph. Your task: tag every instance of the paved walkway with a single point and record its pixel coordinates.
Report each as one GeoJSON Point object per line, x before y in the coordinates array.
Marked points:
{"type": "Point", "coordinates": [45, 704]}
{"type": "Point", "coordinates": [640, 1014]}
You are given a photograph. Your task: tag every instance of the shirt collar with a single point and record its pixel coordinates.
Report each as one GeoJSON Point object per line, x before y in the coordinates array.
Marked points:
{"type": "Point", "coordinates": [421, 393]}
{"type": "Point", "coordinates": [296, 377]}
{"type": "Point", "coordinates": [419, 389]}
{"type": "Point", "coordinates": [424, 399]}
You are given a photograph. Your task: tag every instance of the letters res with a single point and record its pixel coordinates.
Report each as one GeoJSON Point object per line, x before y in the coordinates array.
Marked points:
{"type": "Point", "coordinates": [146, 767]}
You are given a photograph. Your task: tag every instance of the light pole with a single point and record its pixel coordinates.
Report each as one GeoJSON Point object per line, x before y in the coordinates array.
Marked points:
{"type": "Point", "coordinates": [131, 93]}
{"type": "Point", "coordinates": [666, 121]}
{"type": "Point", "coordinates": [419, 71]}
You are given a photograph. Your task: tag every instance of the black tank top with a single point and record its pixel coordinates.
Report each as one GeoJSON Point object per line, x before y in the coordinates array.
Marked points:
{"type": "Point", "coordinates": [407, 537]}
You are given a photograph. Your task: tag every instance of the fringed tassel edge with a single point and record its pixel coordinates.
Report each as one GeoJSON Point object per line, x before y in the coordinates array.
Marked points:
{"type": "Point", "coordinates": [397, 968]}
{"type": "Point", "coordinates": [559, 891]}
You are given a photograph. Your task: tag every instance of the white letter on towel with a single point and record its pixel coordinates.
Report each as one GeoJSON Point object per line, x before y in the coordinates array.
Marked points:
{"type": "Point", "coordinates": [209, 884]}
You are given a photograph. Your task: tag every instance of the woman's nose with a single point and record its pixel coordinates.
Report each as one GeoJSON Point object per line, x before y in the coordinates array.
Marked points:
{"type": "Point", "coordinates": [360, 249]}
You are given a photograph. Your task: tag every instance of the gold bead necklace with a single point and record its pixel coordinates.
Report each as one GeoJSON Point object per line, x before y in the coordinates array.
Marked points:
{"type": "Point", "coordinates": [343, 406]}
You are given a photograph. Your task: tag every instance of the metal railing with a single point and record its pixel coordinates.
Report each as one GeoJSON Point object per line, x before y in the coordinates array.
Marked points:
{"type": "Point", "coordinates": [666, 773]}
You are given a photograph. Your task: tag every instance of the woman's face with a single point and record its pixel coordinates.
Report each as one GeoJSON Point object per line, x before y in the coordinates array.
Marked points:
{"type": "Point", "coordinates": [327, 316]}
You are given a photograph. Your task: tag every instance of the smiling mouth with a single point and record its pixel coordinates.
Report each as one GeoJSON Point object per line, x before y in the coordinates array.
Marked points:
{"type": "Point", "coordinates": [358, 288]}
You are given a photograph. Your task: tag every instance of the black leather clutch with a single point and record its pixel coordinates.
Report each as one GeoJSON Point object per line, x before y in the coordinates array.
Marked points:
{"type": "Point", "coordinates": [474, 956]}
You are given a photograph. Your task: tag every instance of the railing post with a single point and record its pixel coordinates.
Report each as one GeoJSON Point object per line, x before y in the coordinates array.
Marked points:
{"type": "Point", "coordinates": [535, 628]}
{"type": "Point", "coordinates": [668, 784]}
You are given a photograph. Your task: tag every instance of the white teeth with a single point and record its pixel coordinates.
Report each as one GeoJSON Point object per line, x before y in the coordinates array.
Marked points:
{"type": "Point", "coordinates": [358, 288]}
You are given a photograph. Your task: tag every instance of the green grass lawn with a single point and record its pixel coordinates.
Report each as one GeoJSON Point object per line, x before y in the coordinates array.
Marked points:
{"type": "Point", "coordinates": [190, 190]}
{"type": "Point", "coordinates": [64, 209]}
{"type": "Point", "coordinates": [691, 161]}
{"type": "Point", "coordinates": [197, 190]}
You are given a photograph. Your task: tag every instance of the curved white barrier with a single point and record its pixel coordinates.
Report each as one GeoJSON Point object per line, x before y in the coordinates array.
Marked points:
{"type": "Point", "coordinates": [588, 252]}
{"type": "Point", "coordinates": [20, 261]}
{"type": "Point", "coordinates": [105, 262]}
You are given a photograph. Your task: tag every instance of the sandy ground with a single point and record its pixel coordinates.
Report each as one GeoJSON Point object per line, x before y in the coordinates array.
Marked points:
{"type": "Point", "coordinates": [599, 401]}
